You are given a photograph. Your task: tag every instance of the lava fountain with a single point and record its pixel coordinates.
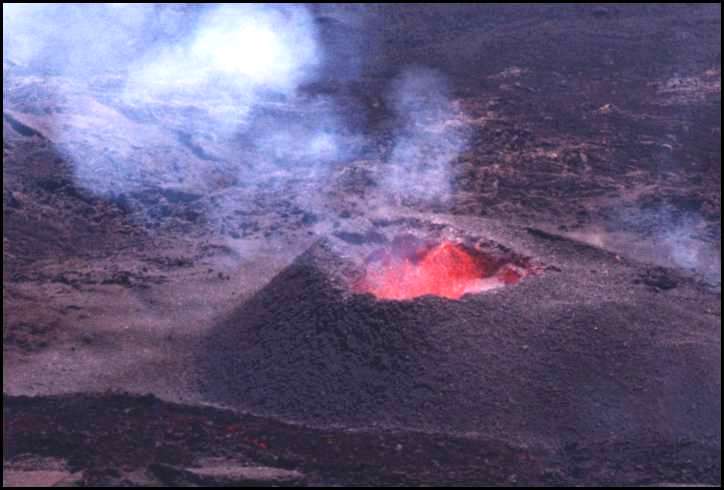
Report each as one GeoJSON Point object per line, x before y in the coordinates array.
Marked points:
{"type": "Point", "coordinates": [447, 269]}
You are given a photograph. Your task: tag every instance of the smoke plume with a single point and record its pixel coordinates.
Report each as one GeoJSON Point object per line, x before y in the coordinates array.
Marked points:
{"type": "Point", "coordinates": [428, 140]}
{"type": "Point", "coordinates": [191, 98]}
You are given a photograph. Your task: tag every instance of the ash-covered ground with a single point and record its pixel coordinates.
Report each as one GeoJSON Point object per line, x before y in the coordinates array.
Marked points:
{"type": "Point", "coordinates": [189, 193]}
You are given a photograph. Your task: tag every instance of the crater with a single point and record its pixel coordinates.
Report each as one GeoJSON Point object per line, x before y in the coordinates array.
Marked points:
{"type": "Point", "coordinates": [409, 268]}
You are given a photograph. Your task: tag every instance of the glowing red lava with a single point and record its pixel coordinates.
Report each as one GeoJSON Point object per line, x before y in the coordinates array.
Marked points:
{"type": "Point", "coordinates": [447, 270]}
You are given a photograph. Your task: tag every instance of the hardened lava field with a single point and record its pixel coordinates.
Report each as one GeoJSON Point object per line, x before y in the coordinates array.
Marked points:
{"type": "Point", "coordinates": [344, 244]}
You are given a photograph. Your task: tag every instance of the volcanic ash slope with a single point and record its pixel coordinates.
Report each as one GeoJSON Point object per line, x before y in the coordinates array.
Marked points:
{"type": "Point", "coordinates": [584, 350]}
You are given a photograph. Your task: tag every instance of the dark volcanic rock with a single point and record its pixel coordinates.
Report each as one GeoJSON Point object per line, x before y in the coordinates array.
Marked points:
{"type": "Point", "coordinates": [227, 475]}
{"type": "Point", "coordinates": [581, 354]}
{"type": "Point", "coordinates": [325, 351]}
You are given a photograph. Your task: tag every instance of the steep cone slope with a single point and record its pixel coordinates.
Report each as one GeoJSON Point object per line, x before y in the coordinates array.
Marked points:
{"type": "Point", "coordinates": [565, 355]}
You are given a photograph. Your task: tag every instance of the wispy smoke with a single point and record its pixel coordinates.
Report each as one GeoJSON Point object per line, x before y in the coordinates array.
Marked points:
{"type": "Point", "coordinates": [72, 38]}
{"type": "Point", "coordinates": [680, 240]}
{"type": "Point", "coordinates": [140, 78]}
{"type": "Point", "coordinates": [428, 140]}
{"type": "Point", "coordinates": [241, 49]}
{"type": "Point", "coordinates": [678, 237]}
{"type": "Point", "coordinates": [185, 97]}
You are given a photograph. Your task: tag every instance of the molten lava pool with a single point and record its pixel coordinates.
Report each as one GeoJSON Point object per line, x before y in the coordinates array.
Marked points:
{"type": "Point", "coordinates": [447, 269]}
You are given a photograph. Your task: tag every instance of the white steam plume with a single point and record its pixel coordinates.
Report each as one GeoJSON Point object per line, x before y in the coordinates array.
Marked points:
{"type": "Point", "coordinates": [246, 48]}
{"type": "Point", "coordinates": [181, 96]}
{"type": "Point", "coordinates": [133, 80]}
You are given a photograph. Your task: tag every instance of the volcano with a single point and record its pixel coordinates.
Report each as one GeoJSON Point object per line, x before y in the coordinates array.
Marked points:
{"type": "Point", "coordinates": [361, 245]}
{"type": "Point", "coordinates": [516, 363]}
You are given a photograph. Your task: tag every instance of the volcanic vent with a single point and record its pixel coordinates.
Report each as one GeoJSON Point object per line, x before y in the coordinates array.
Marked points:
{"type": "Point", "coordinates": [580, 352]}
{"type": "Point", "coordinates": [344, 340]}
{"type": "Point", "coordinates": [410, 268]}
